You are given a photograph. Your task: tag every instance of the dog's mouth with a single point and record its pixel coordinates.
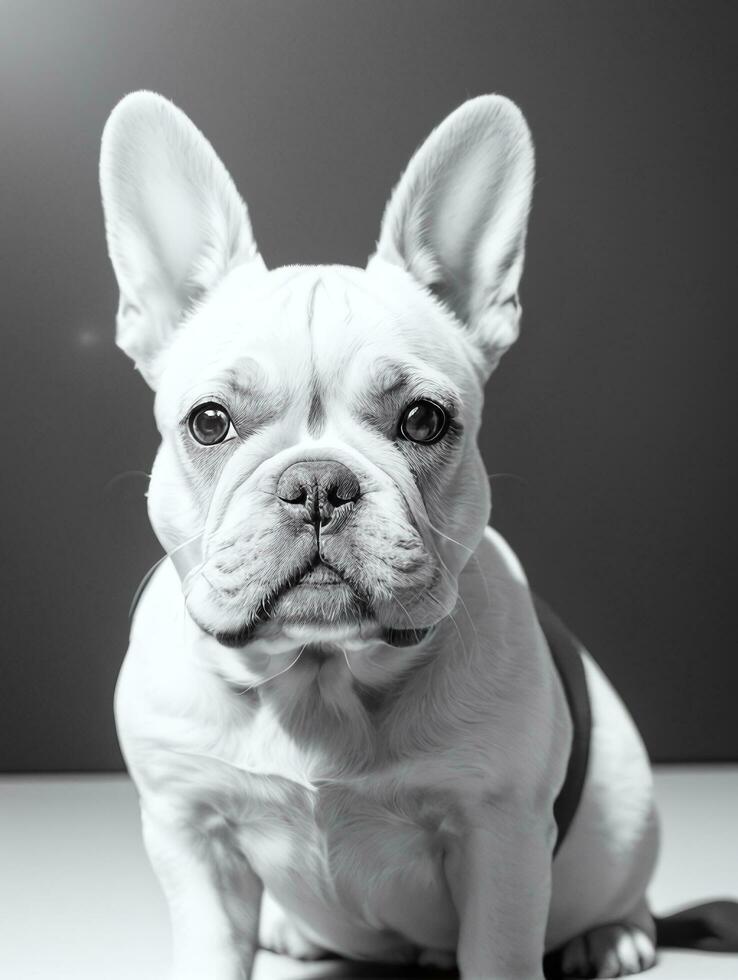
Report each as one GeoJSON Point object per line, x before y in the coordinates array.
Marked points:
{"type": "Point", "coordinates": [318, 596]}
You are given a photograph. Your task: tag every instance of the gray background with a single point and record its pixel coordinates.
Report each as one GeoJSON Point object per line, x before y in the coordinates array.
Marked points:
{"type": "Point", "coordinates": [609, 428]}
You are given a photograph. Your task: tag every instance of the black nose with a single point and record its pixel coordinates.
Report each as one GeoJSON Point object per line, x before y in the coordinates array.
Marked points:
{"type": "Point", "coordinates": [319, 492]}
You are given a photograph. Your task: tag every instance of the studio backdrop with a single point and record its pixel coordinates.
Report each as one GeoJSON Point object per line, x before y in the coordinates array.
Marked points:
{"type": "Point", "coordinates": [609, 427]}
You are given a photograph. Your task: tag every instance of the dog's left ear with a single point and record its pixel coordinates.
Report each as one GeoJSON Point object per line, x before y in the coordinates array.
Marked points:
{"type": "Point", "coordinates": [174, 220]}
{"type": "Point", "coordinates": [457, 219]}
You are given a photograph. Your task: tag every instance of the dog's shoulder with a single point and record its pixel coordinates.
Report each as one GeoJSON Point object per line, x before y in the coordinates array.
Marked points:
{"type": "Point", "coordinates": [162, 697]}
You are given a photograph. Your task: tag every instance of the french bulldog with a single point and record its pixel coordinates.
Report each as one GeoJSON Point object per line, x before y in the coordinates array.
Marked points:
{"type": "Point", "coordinates": [344, 713]}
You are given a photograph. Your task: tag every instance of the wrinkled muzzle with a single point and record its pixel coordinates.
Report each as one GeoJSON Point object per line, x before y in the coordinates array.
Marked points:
{"type": "Point", "coordinates": [318, 549]}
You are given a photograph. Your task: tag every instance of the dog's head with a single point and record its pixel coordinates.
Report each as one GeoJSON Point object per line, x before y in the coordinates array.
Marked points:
{"type": "Point", "coordinates": [318, 465]}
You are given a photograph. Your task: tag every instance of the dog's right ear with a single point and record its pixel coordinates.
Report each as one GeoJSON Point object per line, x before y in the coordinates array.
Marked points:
{"type": "Point", "coordinates": [174, 221]}
{"type": "Point", "coordinates": [457, 219]}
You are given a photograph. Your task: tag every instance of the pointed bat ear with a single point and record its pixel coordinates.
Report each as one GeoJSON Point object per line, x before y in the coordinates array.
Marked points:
{"type": "Point", "coordinates": [174, 221]}
{"type": "Point", "coordinates": [457, 219]}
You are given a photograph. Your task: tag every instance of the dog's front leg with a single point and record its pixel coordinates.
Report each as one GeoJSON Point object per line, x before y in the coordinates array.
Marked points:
{"type": "Point", "coordinates": [499, 873]}
{"type": "Point", "coordinates": [213, 896]}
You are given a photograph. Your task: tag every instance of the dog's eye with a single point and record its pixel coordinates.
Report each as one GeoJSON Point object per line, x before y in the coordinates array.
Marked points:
{"type": "Point", "coordinates": [209, 423]}
{"type": "Point", "coordinates": [423, 421]}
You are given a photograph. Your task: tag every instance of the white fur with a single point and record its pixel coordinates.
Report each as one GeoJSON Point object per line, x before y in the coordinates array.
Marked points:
{"type": "Point", "coordinates": [390, 803]}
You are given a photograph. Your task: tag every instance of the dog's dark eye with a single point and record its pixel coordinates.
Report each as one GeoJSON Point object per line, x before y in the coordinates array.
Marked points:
{"type": "Point", "coordinates": [423, 421]}
{"type": "Point", "coordinates": [209, 423]}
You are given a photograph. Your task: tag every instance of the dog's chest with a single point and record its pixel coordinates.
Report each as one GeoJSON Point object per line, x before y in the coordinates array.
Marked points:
{"type": "Point", "coordinates": [353, 853]}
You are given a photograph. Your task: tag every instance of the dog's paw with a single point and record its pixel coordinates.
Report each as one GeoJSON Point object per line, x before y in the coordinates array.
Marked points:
{"type": "Point", "coordinates": [278, 933]}
{"type": "Point", "coordinates": [617, 950]}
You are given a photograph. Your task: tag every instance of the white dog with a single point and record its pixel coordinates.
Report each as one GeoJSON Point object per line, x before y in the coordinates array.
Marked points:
{"type": "Point", "coordinates": [341, 708]}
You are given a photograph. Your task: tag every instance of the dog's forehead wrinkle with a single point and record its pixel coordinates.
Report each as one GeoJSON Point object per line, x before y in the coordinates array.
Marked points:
{"type": "Point", "coordinates": [245, 374]}
{"type": "Point", "coordinates": [345, 293]}
{"type": "Point", "coordinates": [242, 377]}
{"type": "Point", "coordinates": [316, 417]}
{"type": "Point", "coordinates": [389, 376]}
{"type": "Point", "coordinates": [316, 294]}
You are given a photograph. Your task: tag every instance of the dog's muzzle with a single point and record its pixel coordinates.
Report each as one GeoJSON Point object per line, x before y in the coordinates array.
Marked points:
{"type": "Point", "coordinates": [317, 581]}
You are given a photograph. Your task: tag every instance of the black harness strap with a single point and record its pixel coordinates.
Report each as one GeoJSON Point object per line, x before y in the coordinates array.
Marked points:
{"type": "Point", "coordinates": [565, 650]}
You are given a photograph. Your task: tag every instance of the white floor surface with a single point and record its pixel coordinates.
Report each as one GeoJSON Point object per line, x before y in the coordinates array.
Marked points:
{"type": "Point", "coordinates": [78, 900]}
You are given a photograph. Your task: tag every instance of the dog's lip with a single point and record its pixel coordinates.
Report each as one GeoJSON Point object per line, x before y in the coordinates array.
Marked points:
{"type": "Point", "coordinates": [317, 574]}
{"type": "Point", "coordinates": [320, 575]}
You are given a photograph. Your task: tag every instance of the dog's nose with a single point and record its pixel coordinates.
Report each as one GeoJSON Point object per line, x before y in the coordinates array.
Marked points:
{"type": "Point", "coordinates": [318, 491]}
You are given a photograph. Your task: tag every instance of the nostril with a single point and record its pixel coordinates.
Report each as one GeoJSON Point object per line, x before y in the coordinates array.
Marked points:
{"type": "Point", "coordinates": [295, 496]}
{"type": "Point", "coordinates": [295, 484]}
{"type": "Point", "coordinates": [338, 496]}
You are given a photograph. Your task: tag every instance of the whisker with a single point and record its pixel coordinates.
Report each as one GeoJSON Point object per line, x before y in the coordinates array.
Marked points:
{"type": "Point", "coordinates": [508, 476]}
{"type": "Point", "coordinates": [279, 672]}
{"type": "Point", "coordinates": [452, 618]}
{"type": "Point", "coordinates": [123, 476]}
{"type": "Point", "coordinates": [470, 618]}
{"type": "Point", "coordinates": [345, 657]}
{"type": "Point", "coordinates": [483, 577]}
{"type": "Point", "coordinates": [407, 614]}
{"type": "Point", "coordinates": [444, 567]}
{"type": "Point", "coordinates": [185, 543]}
{"type": "Point", "coordinates": [152, 568]}
{"type": "Point", "coordinates": [200, 571]}
{"type": "Point", "coordinates": [441, 534]}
